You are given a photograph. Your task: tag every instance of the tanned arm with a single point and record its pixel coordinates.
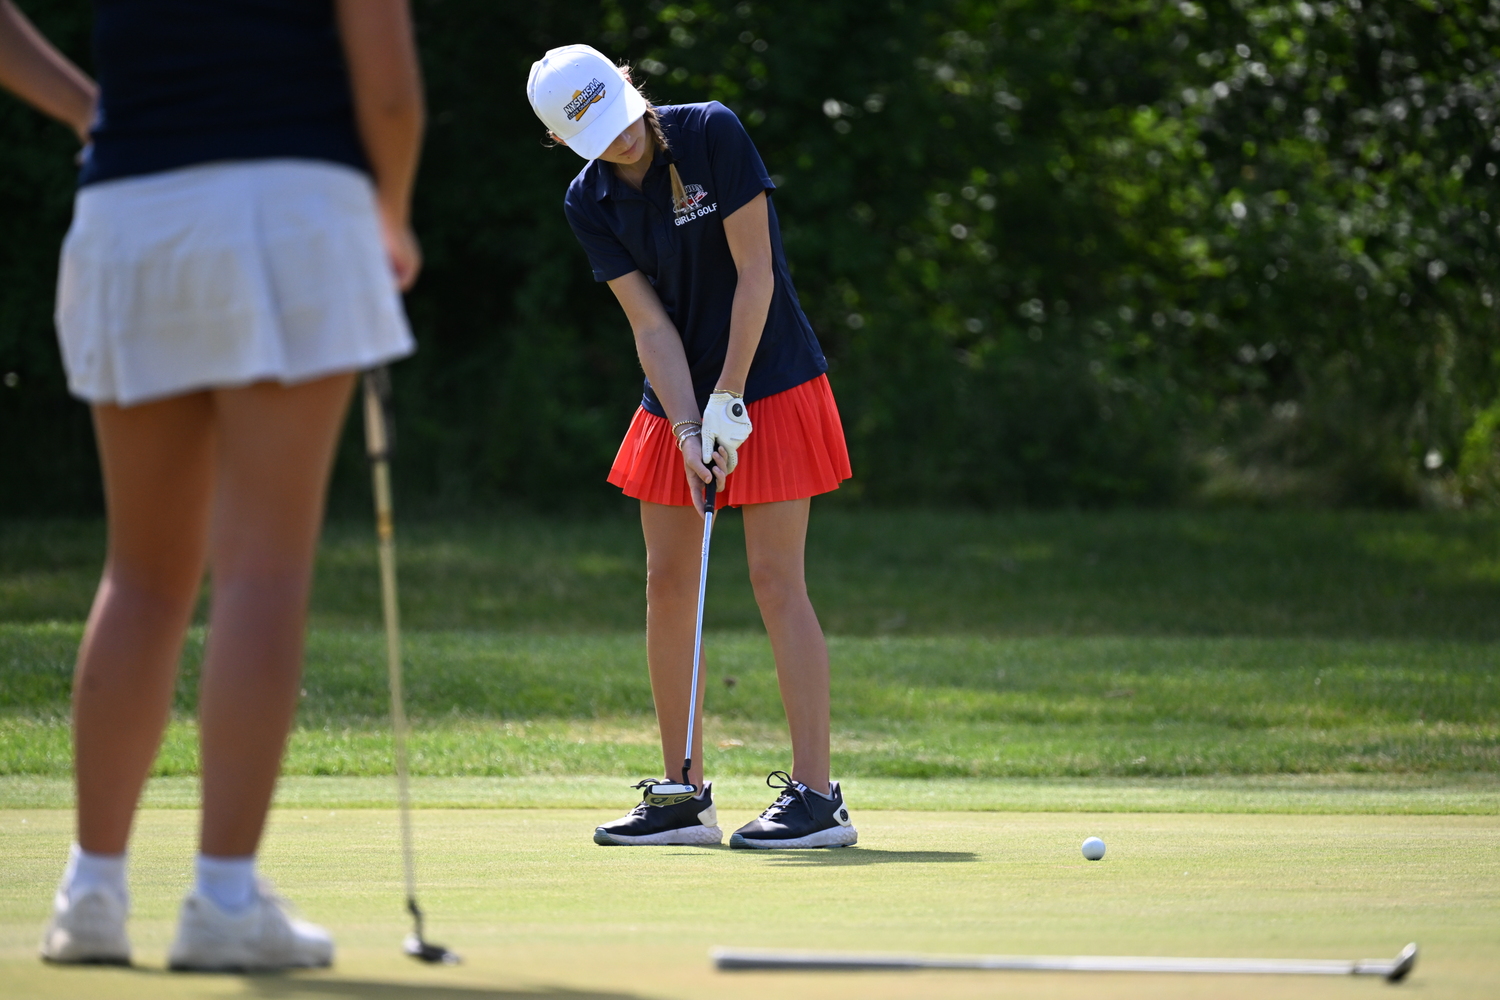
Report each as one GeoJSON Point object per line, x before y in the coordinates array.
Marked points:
{"type": "Point", "coordinates": [659, 346]}
{"type": "Point", "coordinates": [386, 80]}
{"type": "Point", "coordinates": [32, 69]}
{"type": "Point", "coordinates": [748, 231]}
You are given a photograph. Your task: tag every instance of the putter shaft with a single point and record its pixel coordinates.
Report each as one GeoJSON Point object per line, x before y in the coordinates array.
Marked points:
{"type": "Point", "coordinates": [709, 491]}
{"type": "Point", "coordinates": [738, 960]}
{"type": "Point", "coordinates": [377, 441]}
{"type": "Point", "coordinates": [378, 446]}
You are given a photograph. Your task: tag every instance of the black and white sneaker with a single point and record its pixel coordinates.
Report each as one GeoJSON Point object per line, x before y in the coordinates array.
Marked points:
{"type": "Point", "coordinates": [800, 817]}
{"type": "Point", "coordinates": [669, 813]}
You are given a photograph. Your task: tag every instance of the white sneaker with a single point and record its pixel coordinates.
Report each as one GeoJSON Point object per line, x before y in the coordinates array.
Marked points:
{"type": "Point", "coordinates": [89, 930]}
{"type": "Point", "coordinates": [262, 937]}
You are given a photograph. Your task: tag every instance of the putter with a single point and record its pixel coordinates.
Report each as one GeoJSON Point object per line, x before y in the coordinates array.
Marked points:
{"type": "Point", "coordinates": [675, 793]}
{"type": "Point", "coordinates": [738, 960]}
{"type": "Point", "coordinates": [379, 442]}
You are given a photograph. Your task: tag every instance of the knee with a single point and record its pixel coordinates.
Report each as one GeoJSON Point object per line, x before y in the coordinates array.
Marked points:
{"type": "Point", "coordinates": [151, 590]}
{"type": "Point", "coordinates": [268, 556]}
{"type": "Point", "coordinates": [666, 585]}
{"type": "Point", "coordinates": [776, 585]}
{"type": "Point", "coordinates": [269, 590]}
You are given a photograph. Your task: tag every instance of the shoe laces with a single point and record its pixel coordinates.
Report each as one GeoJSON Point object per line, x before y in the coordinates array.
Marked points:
{"type": "Point", "coordinates": [265, 890]}
{"type": "Point", "coordinates": [791, 791]}
{"type": "Point", "coordinates": [648, 784]}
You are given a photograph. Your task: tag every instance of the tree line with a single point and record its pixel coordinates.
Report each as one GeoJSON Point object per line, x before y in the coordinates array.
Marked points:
{"type": "Point", "coordinates": [1059, 253]}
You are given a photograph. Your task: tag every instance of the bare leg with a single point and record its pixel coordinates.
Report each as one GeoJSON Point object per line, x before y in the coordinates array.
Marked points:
{"type": "Point", "coordinates": [275, 450]}
{"type": "Point", "coordinates": [674, 544]}
{"type": "Point", "coordinates": [157, 460]}
{"type": "Point", "coordinates": [775, 536]}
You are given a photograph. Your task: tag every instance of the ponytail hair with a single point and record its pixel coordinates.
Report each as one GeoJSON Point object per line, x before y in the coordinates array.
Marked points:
{"type": "Point", "coordinates": [658, 136]}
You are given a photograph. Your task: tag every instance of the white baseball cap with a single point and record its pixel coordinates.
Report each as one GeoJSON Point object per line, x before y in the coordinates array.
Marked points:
{"type": "Point", "coordinates": [582, 98]}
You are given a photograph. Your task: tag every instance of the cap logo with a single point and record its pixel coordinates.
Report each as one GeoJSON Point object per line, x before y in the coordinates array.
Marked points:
{"type": "Point", "coordinates": [583, 100]}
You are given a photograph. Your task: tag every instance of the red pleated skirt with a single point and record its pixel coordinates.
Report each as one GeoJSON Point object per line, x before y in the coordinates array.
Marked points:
{"type": "Point", "coordinates": [795, 450]}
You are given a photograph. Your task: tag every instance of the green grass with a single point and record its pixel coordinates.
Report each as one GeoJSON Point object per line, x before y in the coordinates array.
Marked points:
{"type": "Point", "coordinates": [540, 912]}
{"type": "Point", "coordinates": [1471, 794]}
{"type": "Point", "coordinates": [1232, 573]}
{"type": "Point", "coordinates": [943, 706]}
{"type": "Point", "coordinates": [1286, 727]}
{"type": "Point", "coordinates": [1033, 645]}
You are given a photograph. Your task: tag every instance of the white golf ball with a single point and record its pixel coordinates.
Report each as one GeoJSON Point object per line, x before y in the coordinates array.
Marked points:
{"type": "Point", "coordinates": [1093, 848]}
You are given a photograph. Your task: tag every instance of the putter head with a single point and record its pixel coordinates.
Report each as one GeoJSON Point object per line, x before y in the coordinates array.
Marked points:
{"type": "Point", "coordinates": [426, 951]}
{"type": "Point", "coordinates": [669, 794]}
{"type": "Point", "coordinates": [1404, 963]}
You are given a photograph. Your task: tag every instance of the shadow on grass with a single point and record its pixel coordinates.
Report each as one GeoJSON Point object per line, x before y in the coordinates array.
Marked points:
{"type": "Point", "coordinates": [297, 988]}
{"type": "Point", "coordinates": [856, 856]}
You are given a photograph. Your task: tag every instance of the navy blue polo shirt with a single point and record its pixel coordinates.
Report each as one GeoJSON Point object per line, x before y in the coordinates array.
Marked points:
{"type": "Point", "coordinates": [192, 81]}
{"type": "Point", "coordinates": [685, 255]}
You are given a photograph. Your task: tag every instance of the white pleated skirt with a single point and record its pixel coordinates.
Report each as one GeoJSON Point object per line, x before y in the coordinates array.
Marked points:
{"type": "Point", "coordinates": [223, 275]}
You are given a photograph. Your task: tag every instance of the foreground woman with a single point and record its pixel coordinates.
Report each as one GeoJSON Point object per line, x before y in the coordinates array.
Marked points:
{"type": "Point", "coordinates": [674, 212]}
{"type": "Point", "coordinates": [242, 207]}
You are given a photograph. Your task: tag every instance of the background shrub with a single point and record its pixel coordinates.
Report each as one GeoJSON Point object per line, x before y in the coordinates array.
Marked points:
{"type": "Point", "coordinates": [1063, 253]}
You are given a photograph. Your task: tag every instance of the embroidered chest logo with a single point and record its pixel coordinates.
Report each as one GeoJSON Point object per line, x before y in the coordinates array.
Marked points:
{"type": "Point", "coordinates": [694, 205]}
{"type": "Point", "coordinates": [583, 100]}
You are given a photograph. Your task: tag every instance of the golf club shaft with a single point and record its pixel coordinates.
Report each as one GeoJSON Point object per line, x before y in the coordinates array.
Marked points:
{"type": "Point", "coordinates": [709, 492]}
{"type": "Point", "coordinates": [727, 959]}
{"type": "Point", "coordinates": [377, 440]}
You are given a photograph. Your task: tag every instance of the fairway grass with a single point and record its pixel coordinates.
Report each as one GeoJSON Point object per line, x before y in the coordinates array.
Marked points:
{"type": "Point", "coordinates": [1332, 574]}
{"type": "Point", "coordinates": [1285, 726]}
{"type": "Point", "coordinates": [539, 911]}
{"type": "Point", "coordinates": [963, 645]}
{"type": "Point", "coordinates": [507, 705]}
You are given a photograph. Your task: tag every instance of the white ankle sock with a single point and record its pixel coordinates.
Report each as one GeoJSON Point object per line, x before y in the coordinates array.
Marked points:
{"type": "Point", "coordinates": [228, 882]}
{"type": "Point", "coordinates": [87, 871]}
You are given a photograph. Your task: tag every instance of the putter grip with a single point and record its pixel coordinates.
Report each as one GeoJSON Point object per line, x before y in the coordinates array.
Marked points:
{"type": "Point", "coordinates": [709, 489]}
{"type": "Point", "coordinates": [375, 445]}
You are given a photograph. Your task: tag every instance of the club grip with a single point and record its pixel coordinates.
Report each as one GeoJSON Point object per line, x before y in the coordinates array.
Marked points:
{"type": "Point", "coordinates": [380, 439]}
{"type": "Point", "coordinates": [710, 488]}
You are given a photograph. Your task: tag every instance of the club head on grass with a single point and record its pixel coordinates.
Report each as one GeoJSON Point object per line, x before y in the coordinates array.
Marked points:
{"type": "Point", "coordinates": [432, 954]}
{"type": "Point", "coordinates": [1404, 963]}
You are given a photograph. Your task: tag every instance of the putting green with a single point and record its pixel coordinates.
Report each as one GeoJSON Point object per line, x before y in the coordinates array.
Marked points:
{"type": "Point", "coordinates": [1453, 794]}
{"type": "Point", "coordinates": [539, 911]}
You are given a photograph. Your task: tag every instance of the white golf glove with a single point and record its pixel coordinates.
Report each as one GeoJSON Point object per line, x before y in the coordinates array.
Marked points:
{"type": "Point", "coordinates": [726, 424]}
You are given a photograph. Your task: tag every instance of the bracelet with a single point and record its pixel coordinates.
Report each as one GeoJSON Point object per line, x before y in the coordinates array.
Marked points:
{"type": "Point", "coordinates": [689, 429]}
{"type": "Point", "coordinates": [731, 392]}
{"type": "Point", "coordinates": [695, 423]}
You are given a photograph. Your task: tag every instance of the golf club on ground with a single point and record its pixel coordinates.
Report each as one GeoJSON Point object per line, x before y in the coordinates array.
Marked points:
{"type": "Point", "coordinates": [378, 442]}
{"type": "Point", "coordinates": [710, 489]}
{"type": "Point", "coordinates": [740, 960]}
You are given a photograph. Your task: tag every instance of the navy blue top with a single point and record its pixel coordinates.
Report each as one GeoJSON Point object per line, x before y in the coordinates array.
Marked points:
{"type": "Point", "coordinates": [685, 255]}
{"type": "Point", "coordinates": [192, 81]}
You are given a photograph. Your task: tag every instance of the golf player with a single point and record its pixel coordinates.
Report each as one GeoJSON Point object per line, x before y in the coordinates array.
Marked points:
{"type": "Point", "coordinates": [238, 239]}
{"type": "Point", "coordinates": [674, 211]}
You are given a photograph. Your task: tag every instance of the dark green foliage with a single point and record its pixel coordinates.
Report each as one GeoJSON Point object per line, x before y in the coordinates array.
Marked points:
{"type": "Point", "coordinates": [1361, 142]}
{"type": "Point", "coordinates": [45, 439]}
{"type": "Point", "coordinates": [1063, 253]}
